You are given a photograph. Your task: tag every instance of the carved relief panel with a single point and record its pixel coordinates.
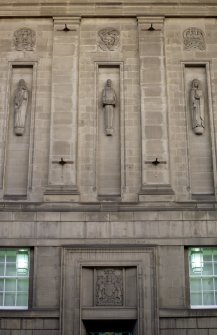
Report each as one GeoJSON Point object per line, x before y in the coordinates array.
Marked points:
{"type": "Point", "coordinates": [194, 38]}
{"type": "Point", "coordinates": [108, 39]}
{"type": "Point", "coordinates": [24, 39]}
{"type": "Point", "coordinates": [109, 287]}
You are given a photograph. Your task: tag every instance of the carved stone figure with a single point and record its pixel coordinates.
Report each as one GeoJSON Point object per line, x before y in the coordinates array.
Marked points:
{"type": "Point", "coordinates": [24, 39]}
{"type": "Point", "coordinates": [20, 107]}
{"type": "Point", "coordinates": [194, 38]}
{"type": "Point", "coordinates": [109, 287]}
{"type": "Point", "coordinates": [197, 107]}
{"type": "Point", "coordinates": [109, 39]}
{"type": "Point", "coordinates": [108, 101]}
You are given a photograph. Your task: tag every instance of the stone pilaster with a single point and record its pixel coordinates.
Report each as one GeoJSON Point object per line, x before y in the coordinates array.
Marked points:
{"type": "Point", "coordinates": [154, 129]}
{"type": "Point", "coordinates": [63, 134]}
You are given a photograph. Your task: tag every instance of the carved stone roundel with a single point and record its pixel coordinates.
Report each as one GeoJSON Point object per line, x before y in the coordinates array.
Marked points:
{"type": "Point", "coordinates": [194, 39]}
{"type": "Point", "coordinates": [109, 39]}
{"type": "Point", "coordinates": [24, 39]}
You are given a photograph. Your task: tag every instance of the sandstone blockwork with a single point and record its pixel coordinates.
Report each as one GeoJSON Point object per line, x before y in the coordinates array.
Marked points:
{"type": "Point", "coordinates": [108, 167]}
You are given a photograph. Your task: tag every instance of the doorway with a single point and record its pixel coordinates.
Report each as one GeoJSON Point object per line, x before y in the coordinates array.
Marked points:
{"type": "Point", "coordinates": [109, 327]}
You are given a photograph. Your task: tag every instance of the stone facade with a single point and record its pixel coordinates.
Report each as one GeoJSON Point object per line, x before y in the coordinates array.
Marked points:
{"type": "Point", "coordinates": [109, 215]}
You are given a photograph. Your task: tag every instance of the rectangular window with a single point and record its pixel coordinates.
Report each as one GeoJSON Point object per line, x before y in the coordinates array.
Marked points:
{"type": "Point", "coordinates": [203, 277]}
{"type": "Point", "coordinates": [14, 278]}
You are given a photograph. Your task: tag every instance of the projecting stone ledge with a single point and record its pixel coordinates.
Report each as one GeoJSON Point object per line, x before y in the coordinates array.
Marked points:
{"type": "Point", "coordinates": [156, 193]}
{"type": "Point", "coordinates": [62, 193]}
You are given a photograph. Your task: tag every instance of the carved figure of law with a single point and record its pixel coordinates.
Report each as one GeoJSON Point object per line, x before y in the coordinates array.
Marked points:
{"type": "Point", "coordinates": [109, 102]}
{"type": "Point", "coordinates": [20, 107]}
{"type": "Point", "coordinates": [197, 107]}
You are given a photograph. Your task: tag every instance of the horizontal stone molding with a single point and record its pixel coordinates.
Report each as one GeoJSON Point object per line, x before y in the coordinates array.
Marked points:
{"type": "Point", "coordinates": [110, 8]}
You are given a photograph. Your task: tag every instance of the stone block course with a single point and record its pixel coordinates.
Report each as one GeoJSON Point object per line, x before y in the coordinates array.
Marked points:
{"type": "Point", "coordinates": [210, 322]}
{"type": "Point", "coordinates": [173, 332]}
{"type": "Point", "coordinates": [186, 323]}
{"type": "Point", "coordinates": [10, 323]}
{"type": "Point", "coordinates": [5, 332]}
{"type": "Point", "coordinates": [45, 332]}
{"type": "Point", "coordinates": [198, 332]}
{"type": "Point", "coordinates": [51, 324]}
{"type": "Point", "coordinates": [21, 332]}
{"type": "Point", "coordinates": [32, 324]}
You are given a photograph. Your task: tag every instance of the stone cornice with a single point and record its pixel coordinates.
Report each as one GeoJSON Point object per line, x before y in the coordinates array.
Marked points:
{"type": "Point", "coordinates": [50, 8]}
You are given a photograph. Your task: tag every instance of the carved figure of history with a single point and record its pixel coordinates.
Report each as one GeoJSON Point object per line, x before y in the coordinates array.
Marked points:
{"type": "Point", "coordinates": [109, 101]}
{"type": "Point", "coordinates": [197, 107]}
{"type": "Point", "coordinates": [21, 96]}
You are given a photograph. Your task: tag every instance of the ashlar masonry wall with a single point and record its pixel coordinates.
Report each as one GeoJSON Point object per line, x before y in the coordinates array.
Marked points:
{"type": "Point", "coordinates": [180, 60]}
{"type": "Point", "coordinates": [40, 58]}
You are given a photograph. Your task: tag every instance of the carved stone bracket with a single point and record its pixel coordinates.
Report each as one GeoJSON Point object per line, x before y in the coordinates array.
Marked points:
{"type": "Point", "coordinates": [62, 162]}
{"type": "Point", "coordinates": [155, 162]}
{"type": "Point", "coordinates": [66, 24]}
{"type": "Point", "coordinates": [150, 24]}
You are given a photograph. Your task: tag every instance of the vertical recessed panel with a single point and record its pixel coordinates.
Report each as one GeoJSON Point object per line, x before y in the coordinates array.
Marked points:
{"type": "Point", "coordinates": [109, 156]}
{"type": "Point", "coordinates": [17, 142]}
{"type": "Point", "coordinates": [199, 131]}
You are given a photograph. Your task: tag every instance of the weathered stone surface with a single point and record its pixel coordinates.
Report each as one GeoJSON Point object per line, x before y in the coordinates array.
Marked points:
{"type": "Point", "coordinates": [151, 163]}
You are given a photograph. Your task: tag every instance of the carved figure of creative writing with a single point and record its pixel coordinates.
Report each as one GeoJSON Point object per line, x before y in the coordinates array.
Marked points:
{"type": "Point", "coordinates": [109, 102]}
{"type": "Point", "coordinates": [197, 107]}
{"type": "Point", "coordinates": [20, 107]}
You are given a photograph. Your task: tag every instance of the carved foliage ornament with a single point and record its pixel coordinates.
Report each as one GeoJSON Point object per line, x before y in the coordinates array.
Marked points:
{"type": "Point", "coordinates": [194, 39]}
{"type": "Point", "coordinates": [109, 287]}
{"type": "Point", "coordinates": [109, 39]}
{"type": "Point", "coordinates": [24, 39]}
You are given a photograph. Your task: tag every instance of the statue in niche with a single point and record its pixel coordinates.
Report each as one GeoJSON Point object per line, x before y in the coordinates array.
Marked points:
{"type": "Point", "coordinates": [109, 102]}
{"type": "Point", "coordinates": [197, 107]}
{"type": "Point", "coordinates": [24, 39]}
{"type": "Point", "coordinates": [20, 107]}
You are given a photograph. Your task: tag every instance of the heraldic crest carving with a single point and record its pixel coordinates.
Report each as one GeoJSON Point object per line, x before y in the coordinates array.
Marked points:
{"type": "Point", "coordinates": [194, 38]}
{"type": "Point", "coordinates": [109, 287]}
{"type": "Point", "coordinates": [24, 39]}
{"type": "Point", "coordinates": [109, 39]}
